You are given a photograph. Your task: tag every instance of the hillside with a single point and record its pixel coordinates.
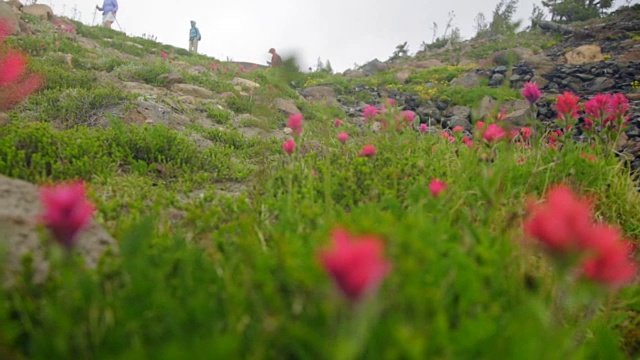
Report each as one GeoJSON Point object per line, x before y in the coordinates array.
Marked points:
{"type": "Point", "coordinates": [416, 208]}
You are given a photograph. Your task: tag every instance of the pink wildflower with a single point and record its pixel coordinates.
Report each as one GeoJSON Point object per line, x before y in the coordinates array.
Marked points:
{"type": "Point", "coordinates": [295, 123]}
{"type": "Point", "coordinates": [423, 127]}
{"type": "Point", "coordinates": [370, 112]}
{"type": "Point", "coordinates": [493, 133]}
{"type": "Point", "coordinates": [408, 115]}
{"type": "Point", "coordinates": [457, 129]}
{"type": "Point", "coordinates": [66, 211]}
{"type": "Point", "coordinates": [390, 102]}
{"type": "Point", "coordinates": [531, 92]}
{"type": "Point", "coordinates": [436, 186]}
{"type": "Point", "coordinates": [337, 123]}
{"type": "Point", "coordinates": [467, 141]}
{"type": "Point", "coordinates": [289, 146]}
{"type": "Point", "coordinates": [342, 137]}
{"type": "Point", "coordinates": [561, 221]}
{"type": "Point", "coordinates": [611, 263]}
{"type": "Point", "coordinates": [356, 264]}
{"type": "Point", "coordinates": [12, 66]}
{"type": "Point", "coordinates": [567, 107]}
{"type": "Point", "coordinates": [368, 151]}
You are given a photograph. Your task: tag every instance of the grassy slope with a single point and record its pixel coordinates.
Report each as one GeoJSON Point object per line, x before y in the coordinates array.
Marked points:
{"type": "Point", "coordinates": [237, 275]}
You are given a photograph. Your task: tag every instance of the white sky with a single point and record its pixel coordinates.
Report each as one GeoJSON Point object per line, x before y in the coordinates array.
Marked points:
{"type": "Point", "coordinates": [343, 31]}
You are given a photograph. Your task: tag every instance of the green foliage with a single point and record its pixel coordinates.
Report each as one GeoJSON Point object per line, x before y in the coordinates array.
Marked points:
{"type": "Point", "coordinates": [208, 81]}
{"type": "Point", "coordinates": [436, 75]}
{"type": "Point", "coordinates": [576, 10]}
{"type": "Point", "coordinates": [147, 72]}
{"type": "Point", "coordinates": [240, 104]}
{"type": "Point", "coordinates": [229, 268]}
{"type": "Point", "coordinates": [462, 286]}
{"type": "Point", "coordinates": [59, 76]}
{"type": "Point", "coordinates": [219, 116]}
{"type": "Point", "coordinates": [75, 106]}
{"type": "Point", "coordinates": [35, 152]}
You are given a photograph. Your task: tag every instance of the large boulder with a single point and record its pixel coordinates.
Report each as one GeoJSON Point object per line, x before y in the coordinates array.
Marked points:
{"type": "Point", "coordinates": [324, 94]}
{"type": "Point", "coordinates": [633, 54]}
{"type": "Point", "coordinates": [467, 80]}
{"type": "Point", "coordinates": [192, 90]}
{"type": "Point", "coordinates": [374, 66]}
{"type": "Point", "coordinates": [402, 75]}
{"type": "Point", "coordinates": [540, 63]}
{"type": "Point", "coordinates": [172, 78]}
{"type": "Point", "coordinates": [9, 15]}
{"type": "Point", "coordinates": [15, 3]}
{"type": "Point", "coordinates": [350, 73]}
{"type": "Point", "coordinates": [20, 235]}
{"type": "Point", "coordinates": [584, 54]}
{"type": "Point", "coordinates": [244, 83]}
{"type": "Point", "coordinates": [287, 106]}
{"type": "Point", "coordinates": [41, 11]}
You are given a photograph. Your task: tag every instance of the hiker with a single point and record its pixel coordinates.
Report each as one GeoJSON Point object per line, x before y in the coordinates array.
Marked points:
{"type": "Point", "coordinates": [194, 37]}
{"type": "Point", "coordinates": [276, 60]}
{"type": "Point", "coordinates": [109, 9]}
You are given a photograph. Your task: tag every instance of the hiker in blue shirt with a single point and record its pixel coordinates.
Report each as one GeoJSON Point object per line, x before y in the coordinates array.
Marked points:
{"type": "Point", "coordinates": [109, 9]}
{"type": "Point", "coordinates": [194, 37]}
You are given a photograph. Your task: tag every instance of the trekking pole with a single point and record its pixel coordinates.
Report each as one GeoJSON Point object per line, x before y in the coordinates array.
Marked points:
{"type": "Point", "coordinates": [93, 22]}
{"type": "Point", "coordinates": [117, 23]}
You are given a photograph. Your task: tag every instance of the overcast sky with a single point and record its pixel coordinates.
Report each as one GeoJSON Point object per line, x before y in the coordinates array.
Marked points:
{"type": "Point", "coordinates": [344, 31]}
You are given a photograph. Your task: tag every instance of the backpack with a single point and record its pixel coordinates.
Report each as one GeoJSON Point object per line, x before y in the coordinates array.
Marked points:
{"type": "Point", "coordinates": [199, 36]}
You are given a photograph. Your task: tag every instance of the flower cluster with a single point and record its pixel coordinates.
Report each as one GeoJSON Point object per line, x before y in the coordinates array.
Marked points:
{"type": "Point", "coordinates": [606, 111]}
{"type": "Point", "coordinates": [564, 226]}
{"type": "Point", "coordinates": [15, 83]}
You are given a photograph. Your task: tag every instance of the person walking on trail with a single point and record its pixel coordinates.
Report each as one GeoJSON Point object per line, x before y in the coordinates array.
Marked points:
{"type": "Point", "coordinates": [276, 60]}
{"type": "Point", "coordinates": [194, 37]}
{"type": "Point", "coordinates": [109, 9]}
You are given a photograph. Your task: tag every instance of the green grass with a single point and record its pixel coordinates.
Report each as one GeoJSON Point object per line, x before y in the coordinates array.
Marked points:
{"type": "Point", "coordinates": [218, 234]}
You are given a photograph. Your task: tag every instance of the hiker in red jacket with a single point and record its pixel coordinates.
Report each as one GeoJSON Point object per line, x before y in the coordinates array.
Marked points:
{"type": "Point", "coordinates": [276, 60]}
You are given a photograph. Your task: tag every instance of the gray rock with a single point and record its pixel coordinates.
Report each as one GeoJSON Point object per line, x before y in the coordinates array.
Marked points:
{"type": "Point", "coordinates": [244, 83]}
{"type": "Point", "coordinates": [500, 69]}
{"type": "Point", "coordinates": [19, 231]}
{"type": "Point", "coordinates": [467, 80]}
{"type": "Point", "coordinates": [374, 66]}
{"type": "Point", "coordinates": [172, 78]}
{"type": "Point", "coordinates": [320, 93]}
{"type": "Point", "coordinates": [458, 121]}
{"type": "Point", "coordinates": [9, 15]}
{"type": "Point", "coordinates": [354, 73]}
{"type": "Point", "coordinates": [192, 90]}
{"type": "Point", "coordinates": [41, 11]}
{"type": "Point", "coordinates": [573, 83]}
{"type": "Point", "coordinates": [287, 106]}
{"type": "Point", "coordinates": [463, 112]}
{"type": "Point", "coordinates": [496, 79]}
{"type": "Point", "coordinates": [601, 84]}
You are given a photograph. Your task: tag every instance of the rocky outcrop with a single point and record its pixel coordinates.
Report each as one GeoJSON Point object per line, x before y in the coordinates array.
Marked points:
{"type": "Point", "coordinates": [324, 94]}
{"type": "Point", "coordinates": [585, 54]}
{"type": "Point", "coordinates": [8, 14]}
{"type": "Point", "coordinates": [41, 11]}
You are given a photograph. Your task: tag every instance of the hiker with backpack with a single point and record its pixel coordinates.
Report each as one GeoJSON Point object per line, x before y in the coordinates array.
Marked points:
{"type": "Point", "coordinates": [194, 37]}
{"type": "Point", "coordinates": [109, 9]}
